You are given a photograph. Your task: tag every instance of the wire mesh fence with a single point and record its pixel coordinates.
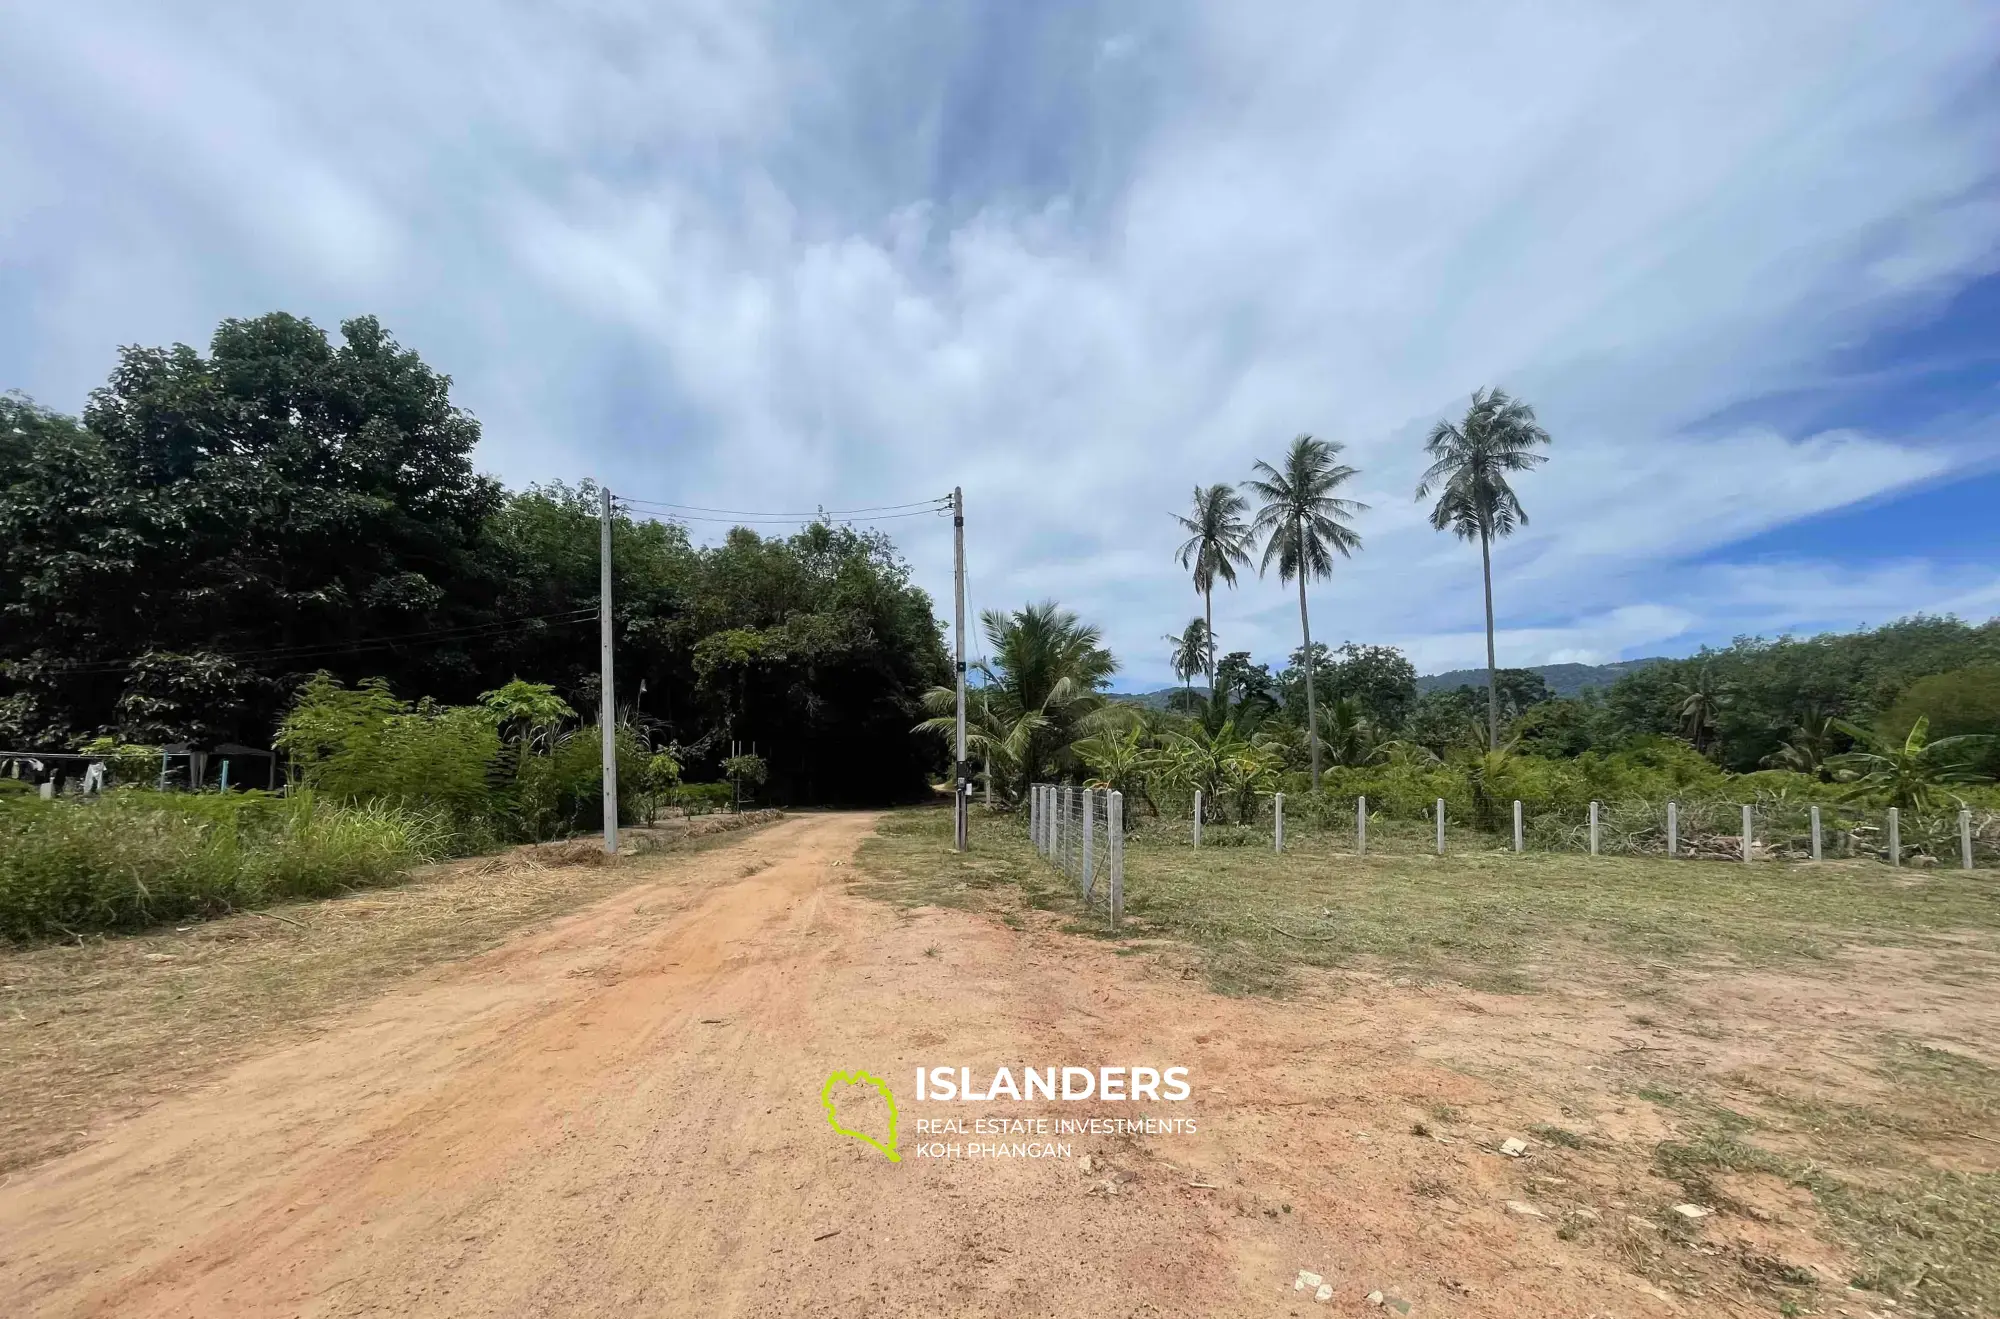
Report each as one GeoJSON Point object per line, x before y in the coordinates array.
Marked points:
{"type": "Point", "coordinates": [1773, 828]}
{"type": "Point", "coordinates": [1081, 831]}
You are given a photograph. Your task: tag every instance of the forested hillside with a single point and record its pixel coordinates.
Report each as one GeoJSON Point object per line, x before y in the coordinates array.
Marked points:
{"type": "Point", "coordinates": [1561, 679]}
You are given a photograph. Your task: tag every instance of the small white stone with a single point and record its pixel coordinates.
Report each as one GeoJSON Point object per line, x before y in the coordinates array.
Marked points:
{"type": "Point", "coordinates": [1323, 1294]}
{"type": "Point", "coordinates": [1307, 1281]}
{"type": "Point", "coordinates": [1374, 1298]}
{"type": "Point", "coordinates": [1692, 1211]}
{"type": "Point", "coordinates": [1513, 1147]}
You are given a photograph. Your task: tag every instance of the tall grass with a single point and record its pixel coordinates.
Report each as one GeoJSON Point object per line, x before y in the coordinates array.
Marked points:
{"type": "Point", "coordinates": [135, 858]}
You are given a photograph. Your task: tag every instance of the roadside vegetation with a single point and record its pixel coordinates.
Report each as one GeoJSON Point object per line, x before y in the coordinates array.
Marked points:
{"type": "Point", "coordinates": [1925, 745]}
{"type": "Point", "coordinates": [282, 543]}
{"type": "Point", "coordinates": [218, 526]}
{"type": "Point", "coordinates": [138, 858]}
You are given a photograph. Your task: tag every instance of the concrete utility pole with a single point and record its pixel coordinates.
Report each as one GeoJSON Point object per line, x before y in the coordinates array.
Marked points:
{"type": "Point", "coordinates": [961, 781]}
{"type": "Point", "coordinates": [606, 709]}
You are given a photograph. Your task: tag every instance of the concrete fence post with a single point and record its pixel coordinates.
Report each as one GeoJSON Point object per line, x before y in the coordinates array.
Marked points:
{"type": "Point", "coordinates": [1069, 796]}
{"type": "Point", "coordinates": [1061, 795]}
{"type": "Point", "coordinates": [1815, 832]}
{"type": "Point", "coordinates": [1593, 828]}
{"type": "Point", "coordinates": [1895, 837]}
{"type": "Point", "coordinates": [1197, 817]}
{"type": "Point", "coordinates": [1278, 823]}
{"type": "Point", "coordinates": [1965, 835]}
{"type": "Point", "coordinates": [1035, 815]}
{"type": "Point", "coordinates": [1673, 829]}
{"type": "Point", "coordinates": [1361, 826]}
{"type": "Point", "coordinates": [1440, 825]}
{"type": "Point", "coordinates": [1749, 831]}
{"type": "Point", "coordinates": [1518, 839]}
{"type": "Point", "coordinates": [1115, 821]}
{"type": "Point", "coordinates": [1089, 842]}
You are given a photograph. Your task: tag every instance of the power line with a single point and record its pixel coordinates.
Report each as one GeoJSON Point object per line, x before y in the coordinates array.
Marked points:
{"type": "Point", "coordinates": [684, 519]}
{"type": "Point", "coordinates": [918, 507]}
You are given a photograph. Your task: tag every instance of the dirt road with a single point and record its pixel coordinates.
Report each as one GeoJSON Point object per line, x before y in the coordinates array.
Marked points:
{"type": "Point", "coordinates": [620, 1115]}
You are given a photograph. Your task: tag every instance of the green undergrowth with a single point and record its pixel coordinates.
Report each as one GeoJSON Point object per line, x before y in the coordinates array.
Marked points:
{"type": "Point", "coordinates": [136, 858]}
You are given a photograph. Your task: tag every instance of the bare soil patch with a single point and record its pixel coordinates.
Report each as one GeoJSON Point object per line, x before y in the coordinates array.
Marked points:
{"type": "Point", "coordinates": [95, 1029]}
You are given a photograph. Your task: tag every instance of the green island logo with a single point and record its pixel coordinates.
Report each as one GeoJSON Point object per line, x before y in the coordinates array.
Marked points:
{"type": "Point", "coordinates": [833, 1118]}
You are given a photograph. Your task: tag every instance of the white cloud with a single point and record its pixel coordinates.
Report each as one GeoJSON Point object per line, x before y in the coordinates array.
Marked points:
{"type": "Point", "coordinates": [757, 255]}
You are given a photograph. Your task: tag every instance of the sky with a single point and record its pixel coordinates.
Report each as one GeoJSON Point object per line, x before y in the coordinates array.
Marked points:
{"type": "Point", "coordinates": [1077, 258]}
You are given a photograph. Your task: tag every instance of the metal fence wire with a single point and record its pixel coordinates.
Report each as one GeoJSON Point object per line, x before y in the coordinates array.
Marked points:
{"type": "Point", "coordinates": [1772, 828]}
{"type": "Point", "coordinates": [1081, 832]}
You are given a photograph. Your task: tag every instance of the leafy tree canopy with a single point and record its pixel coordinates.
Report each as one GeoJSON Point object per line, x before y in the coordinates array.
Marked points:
{"type": "Point", "coordinates": [221, 525]}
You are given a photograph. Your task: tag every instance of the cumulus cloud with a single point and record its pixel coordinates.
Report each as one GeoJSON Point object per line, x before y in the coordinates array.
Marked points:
{"type": "Point", "coordinates": [1076, 259]}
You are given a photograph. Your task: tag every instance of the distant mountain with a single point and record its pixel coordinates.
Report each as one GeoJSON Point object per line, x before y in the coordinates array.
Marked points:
{"type": "Point", "coordinates": [1563, 679]}
{"type": "Point", "coordinates": [1151, 700]}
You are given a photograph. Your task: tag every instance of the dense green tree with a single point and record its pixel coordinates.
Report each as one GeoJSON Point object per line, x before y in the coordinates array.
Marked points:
{"type": "Point", "coordinates": [1249, 687]}
{"type": "Point", "coordinates": [1443, 721]}
{"type": "Point", "coordinates": [1470, 466]}
{"type": "Point", "coordinates": [1381, 680]}
{"type": "Point", "coordinates": [1560, 728]}
{"type": "Point", "coordinates": [222, 522]}
{"type": "Point", "coordinates": [1774, 689]}
{"type": "Point", "coordinates": [223, 525]}
{"type": "Point", "coordinates": [1962, 701]}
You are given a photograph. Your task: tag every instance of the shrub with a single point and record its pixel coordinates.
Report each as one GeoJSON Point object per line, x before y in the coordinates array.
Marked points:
{"type": "Point", "coordinates": [361, 744]}
{"type": "Point", "coordinates": [562, 793]}
{"type": "Point", "coordinates": [702, 798]}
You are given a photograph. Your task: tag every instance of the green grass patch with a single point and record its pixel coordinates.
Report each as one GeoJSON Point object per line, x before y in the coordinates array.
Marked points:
{"type": "Point", "coordinates": [1483, 917]}
{"type": "Point", "coordinates": [132, 858]}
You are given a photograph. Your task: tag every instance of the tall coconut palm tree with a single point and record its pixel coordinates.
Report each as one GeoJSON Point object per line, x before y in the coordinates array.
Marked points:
{"type": "Point", "coordinates": [1304, 526]}
{"type": "Point", "coordinates": [1469, 469]}
{"type": "Point", "coordinates": [1218, 544]}
{"type": "Point", "coordinates": [1043, 692]}
{"type": "Point", "coordinates": [1190, 651]}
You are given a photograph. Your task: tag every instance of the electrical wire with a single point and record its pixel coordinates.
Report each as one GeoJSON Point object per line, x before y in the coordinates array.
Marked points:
{"type": "Point", "coordinates": [684, 519]}
{"type": "Point", "coordinates": [919, 507]}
